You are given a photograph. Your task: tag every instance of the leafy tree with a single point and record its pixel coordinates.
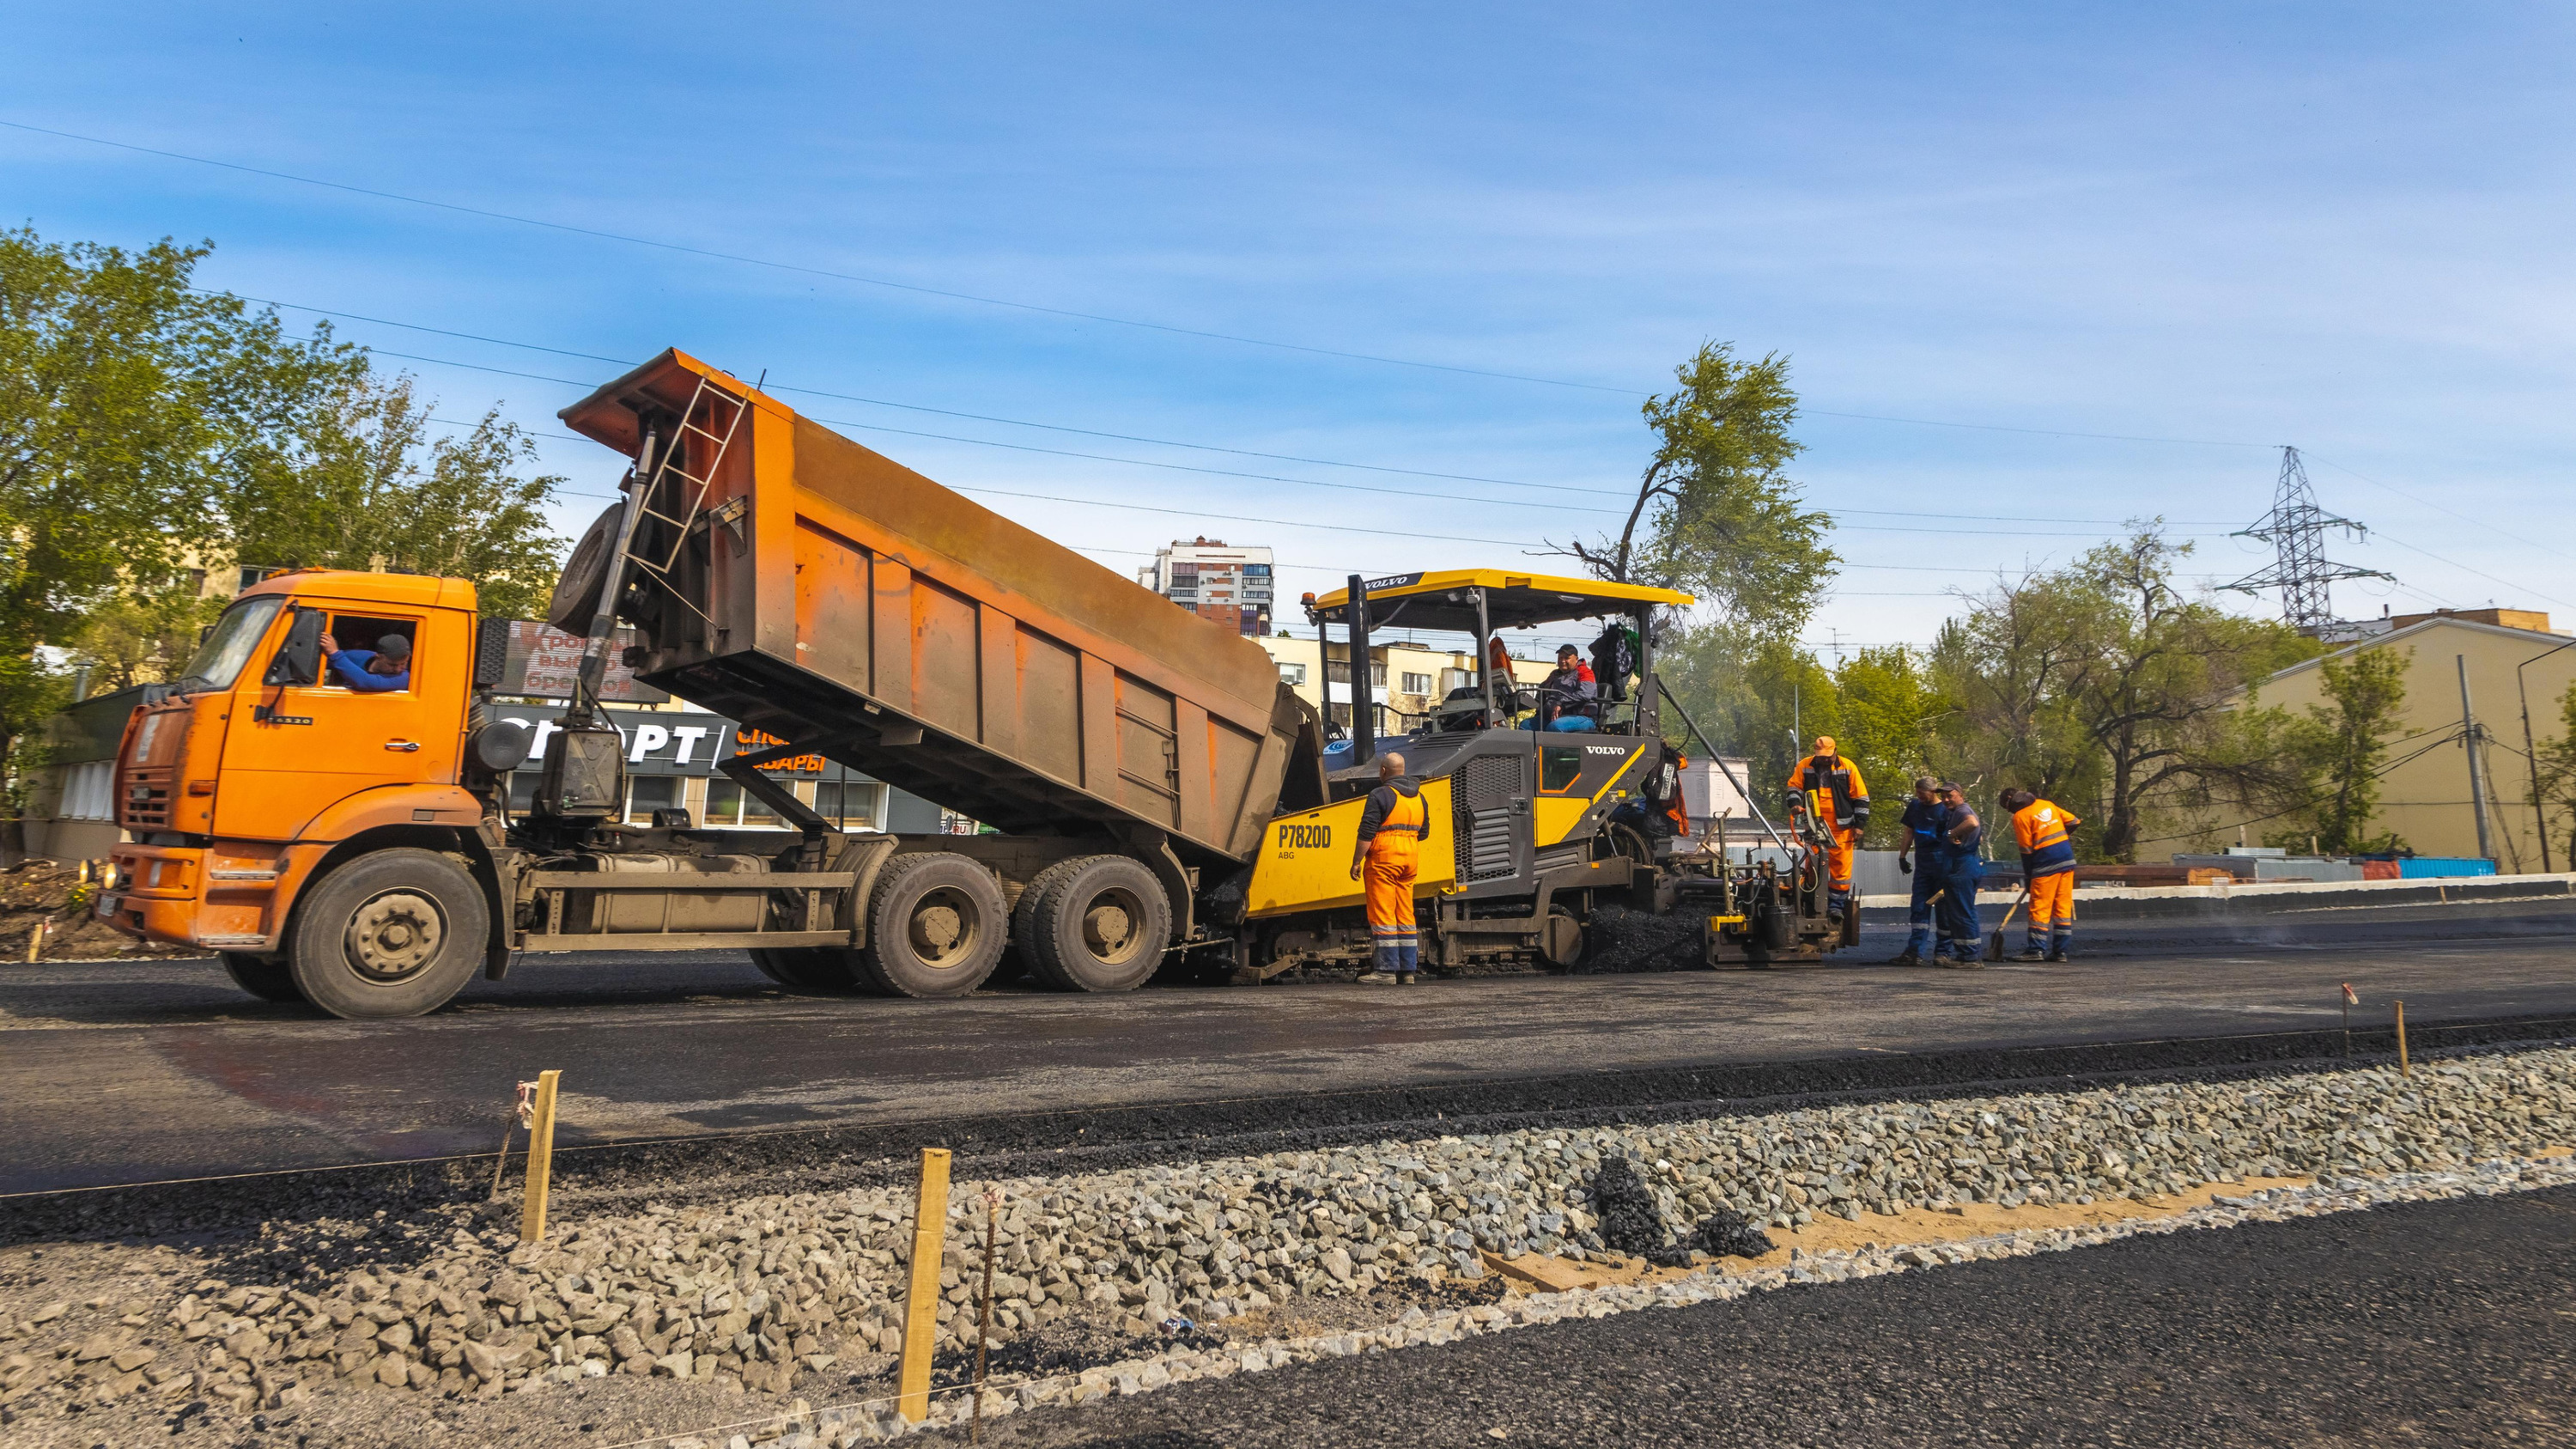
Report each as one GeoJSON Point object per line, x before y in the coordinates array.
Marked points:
{"type": "Point", "coordinates": [2345, 743]}
{"type": "Point", "coordinates": [1887, 705]}
{"type": "Point", "coordinates": [2554, 793]}
{"type": "Point", "coordinates": [1758, 696]}
{"type": "Point", "coordinates": [2104, 687]}
{"type": "Point", "coordinates": [143, 635]}
{"type": "Point", "coordinates": [126, 400]}
{"type": "Point", "coordinates": [1715, 512]}
{"type": "Point", "coordinates": [368, 486]}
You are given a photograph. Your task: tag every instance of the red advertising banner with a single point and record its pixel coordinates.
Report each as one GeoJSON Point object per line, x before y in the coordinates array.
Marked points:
{"type": "Point", "coordinates": [543, 661]}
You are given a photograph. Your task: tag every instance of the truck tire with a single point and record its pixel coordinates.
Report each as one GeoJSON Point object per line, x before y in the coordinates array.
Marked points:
{"type": "Point", "coordinates": [1101, 926]}
{"type": "Point", "coordinates": [1024, 914]}
{"type": "Point", "coordinates": [392, 933]}
{"type": "Point", "coordinates": [824, 969]}
{"type": "Point", "coordinates": [936, 926]}
{"type": "Point", "coordinates": [268, 978]}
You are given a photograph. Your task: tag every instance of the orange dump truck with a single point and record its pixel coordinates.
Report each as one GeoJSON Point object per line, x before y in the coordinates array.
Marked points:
{"type": "Point", "coordinates": [339, 825]}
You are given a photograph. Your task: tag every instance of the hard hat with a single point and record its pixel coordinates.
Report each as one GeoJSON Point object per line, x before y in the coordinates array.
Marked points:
{"type": "Point", "coordinates": [1824, 744]}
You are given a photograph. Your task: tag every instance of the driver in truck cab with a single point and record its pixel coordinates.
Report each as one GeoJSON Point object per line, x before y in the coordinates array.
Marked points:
{"type": "Point", "coordinates": [370, 671]}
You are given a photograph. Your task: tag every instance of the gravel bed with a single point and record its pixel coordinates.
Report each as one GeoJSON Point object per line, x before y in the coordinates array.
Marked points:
{"type": "Point", "coordinates": [803, 1292]}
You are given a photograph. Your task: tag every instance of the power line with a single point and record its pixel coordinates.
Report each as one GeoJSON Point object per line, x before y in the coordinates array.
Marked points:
{"type": "Point", "coordinates": [1038, 308]}
{"type": "Point", "coordinates": [801, 269]}
{"type": "Point", "coordinates": [2520, 538]}
{"type": "Point", "coordinates": [1177, 443]}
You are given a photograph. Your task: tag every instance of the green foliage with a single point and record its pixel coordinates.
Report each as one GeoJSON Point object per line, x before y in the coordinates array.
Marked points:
{"type": "Point", "coordinates": [1766, 700]}
{"type": "Point", "coordinates": [126, 399]}
{"type": "Point", "coordinates": [2554, 793]}
{"type": "Point", "coordinates": [369, 486]}
{"type": "Point", "coordinates": [1716, 514]}
{"type": "Point", "coordinates": [146, 427]}
{"type": "Point", "coordinates": [2343, 744]}
{"type": "Point", "coordinates": [2103, 687]}
{"type": "Point", "coordinates": [143, 634]}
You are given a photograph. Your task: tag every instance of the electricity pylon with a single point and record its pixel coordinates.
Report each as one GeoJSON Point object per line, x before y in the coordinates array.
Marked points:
{"type": "Point", "coordinates": [2296, 529]}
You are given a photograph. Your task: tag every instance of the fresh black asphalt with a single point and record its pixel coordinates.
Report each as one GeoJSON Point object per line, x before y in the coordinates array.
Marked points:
{"type": "Point", "coordinates": [2447, 1323]}
{"type": "Point", "coordinates": [140, 1071]}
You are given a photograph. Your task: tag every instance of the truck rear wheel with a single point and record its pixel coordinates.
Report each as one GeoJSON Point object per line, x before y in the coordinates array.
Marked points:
{"type": "Point", "coordinates": [267, 977]}
{"type": "Point", "coordinates": [1101, 926]}
{"type": "Point", "coordinates": [392, 933]}
{"type": "Point", "coordinates": [808, 968]}
{"type": "Point", "coordinates": [936, 926]}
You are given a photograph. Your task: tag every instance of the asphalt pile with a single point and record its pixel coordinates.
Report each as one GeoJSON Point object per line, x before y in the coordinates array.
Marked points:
{"type": "Point", "coordinates": [773, 1291]}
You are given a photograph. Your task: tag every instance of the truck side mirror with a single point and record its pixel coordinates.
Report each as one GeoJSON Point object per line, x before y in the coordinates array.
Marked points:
{"type": "Point", "coordinates": [299, 659]}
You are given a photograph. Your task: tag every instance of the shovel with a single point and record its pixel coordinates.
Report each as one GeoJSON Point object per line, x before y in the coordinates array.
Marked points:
{"type": "Point", "coordinates": [1995, 942]}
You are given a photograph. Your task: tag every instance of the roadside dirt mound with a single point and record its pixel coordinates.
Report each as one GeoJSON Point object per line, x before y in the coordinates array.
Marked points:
{"type": "Point", "coordinates": [53, 894]}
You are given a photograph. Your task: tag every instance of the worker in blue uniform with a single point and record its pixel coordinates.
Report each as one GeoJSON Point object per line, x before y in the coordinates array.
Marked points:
{"type": "Point", "coordinates": [1961, 868]}
{"type": "Point", "coordinates": [1926, 821]}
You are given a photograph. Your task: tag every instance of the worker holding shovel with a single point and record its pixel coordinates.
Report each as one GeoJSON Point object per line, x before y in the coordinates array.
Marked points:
{"type": "Point", "coordinates": [2048, 865]}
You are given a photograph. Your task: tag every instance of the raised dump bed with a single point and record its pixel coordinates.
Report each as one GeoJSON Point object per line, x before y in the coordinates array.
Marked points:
{"type": "Point", "coordinates": [812, 588]}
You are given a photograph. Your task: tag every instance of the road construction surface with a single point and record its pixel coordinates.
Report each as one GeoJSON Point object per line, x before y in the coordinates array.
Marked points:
{"type": "Point", "coordinates": [129, 1072]}
{"type": "Point", "coordinates": [2424, 1323]}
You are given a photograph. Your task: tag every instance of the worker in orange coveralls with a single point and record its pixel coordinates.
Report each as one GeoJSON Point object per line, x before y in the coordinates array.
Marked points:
{"type": "Point", "coordinates": [2048, 865]}
{"type": "Point", "coordinates": [1840, 804]}
{"type": "Point", "coordinates": [1393, 825]}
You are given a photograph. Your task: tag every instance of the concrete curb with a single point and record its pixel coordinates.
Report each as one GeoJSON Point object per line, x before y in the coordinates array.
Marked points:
{"type": "Point", "coordinates": [2225, 902]}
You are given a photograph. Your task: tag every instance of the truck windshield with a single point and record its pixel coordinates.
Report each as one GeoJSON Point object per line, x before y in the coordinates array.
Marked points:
{"type": "Point", "coordinates": [229, 646]}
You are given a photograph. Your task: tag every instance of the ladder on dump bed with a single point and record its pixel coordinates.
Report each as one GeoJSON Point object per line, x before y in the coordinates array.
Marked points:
{"type": "Point", "coordinates": [676, 494]}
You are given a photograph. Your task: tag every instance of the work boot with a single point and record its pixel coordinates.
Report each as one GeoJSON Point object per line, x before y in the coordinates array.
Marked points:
{"type": "Point", "coordinates": [1907, 957]}
{"type": "Point", "coordinates": [2029, 953]}
{"type": "Point", "coordinates": [1966, 963]}
{"type": "Point", "coordinates": [2058, 955]}
{"type": "Point", "coordinates": [1376, 978]}
{"type": "Point", "coordinates": [1404, 978]}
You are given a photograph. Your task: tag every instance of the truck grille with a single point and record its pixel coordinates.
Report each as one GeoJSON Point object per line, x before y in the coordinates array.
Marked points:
{"type": "Point", "coordinates": [144, 801]}
{"type": "Point", "coordinates": [1484, 792]}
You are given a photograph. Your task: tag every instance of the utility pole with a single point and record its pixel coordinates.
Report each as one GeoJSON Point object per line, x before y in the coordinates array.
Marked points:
{"type": "Point", "coordinates": [2477, 772]}
{"type": "Point", "coordinates": [2296, 529]}
{"type": "Point", "coordinates": [2531, 752]}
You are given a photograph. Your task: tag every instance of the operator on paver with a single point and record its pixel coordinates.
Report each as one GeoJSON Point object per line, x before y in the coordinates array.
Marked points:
{"type": "Point", "coordinates": [1918, 855]}
{"type": "Point", "coordinates": [1839, 803]}
{"type": "Point", "coordinates": [2048, 865]}
{"type": "Point", "coordinates": [1566, 690]}
{"type": "Point", "coordinates": [1960, 869]}
{"type": "Point", "coordinates": [1393, 825]}
{"type": "Point", "coordinates": [370, 671]}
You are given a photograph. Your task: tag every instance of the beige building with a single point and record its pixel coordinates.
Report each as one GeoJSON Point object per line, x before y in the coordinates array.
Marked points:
{"type": "Point", "coordinates": [1409, 680]}
{"type": "Point", "coordinates": [2425, 799]}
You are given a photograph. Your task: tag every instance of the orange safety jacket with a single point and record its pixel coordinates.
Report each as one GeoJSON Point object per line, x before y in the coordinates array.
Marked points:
{"type": "Point", "coordinates": [2039, 828]}
{"type": "Point", "coordinates": [1393, 825]}
{"type": "Point", "coordinates": [1834, 790]}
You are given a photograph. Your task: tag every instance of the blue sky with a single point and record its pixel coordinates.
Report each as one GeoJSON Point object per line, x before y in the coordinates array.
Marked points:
{"type": "Point", "coordinates": [2345, 227]}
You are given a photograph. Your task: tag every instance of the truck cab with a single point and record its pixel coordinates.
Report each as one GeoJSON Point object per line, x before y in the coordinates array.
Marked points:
{"type": "Point", "coordinates": [269, 763]}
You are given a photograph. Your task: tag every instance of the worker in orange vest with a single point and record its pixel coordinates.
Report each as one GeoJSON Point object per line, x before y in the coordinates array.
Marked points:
{"type": "Point", "coordinates": [1393, 825]}
{"type": "Point", "coordinates": [1839, 802]}
{"type": "Point", "coordinates": [2048, 866]}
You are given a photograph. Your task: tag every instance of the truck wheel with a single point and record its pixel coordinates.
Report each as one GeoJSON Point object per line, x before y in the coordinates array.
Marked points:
{"type": "Point", "coordinates": [268, 978]}
{"type": "Point", "coordinates": [392, 933]}
{"type": "Point", "coordinates": [936, 926]}
{"type": "Point", "coordinates": [1101, 927]}
{"type": "Point", "coordinates": [1024, 916]}
{"type": "Point", "coordinates": [807, 968]}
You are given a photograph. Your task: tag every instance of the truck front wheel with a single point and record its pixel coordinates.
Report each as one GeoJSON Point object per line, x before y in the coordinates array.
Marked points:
{"type": "Point", "coordinates": [1101, 926]}
{"type": "Point", "coordinates": [392, 933]}
{"type": "Point", "coordinates": [936, 926]}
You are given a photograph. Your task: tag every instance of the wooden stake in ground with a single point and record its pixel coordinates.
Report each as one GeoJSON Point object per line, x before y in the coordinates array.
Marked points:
{"type": "Point", "coordinates": [983, 1326]}
{"type": "Point", "coordinates": [36, 938]}
{"type": "Point", "coordinates": [541, 1159]}
{"type": "Point", "coordinates": [2403, 1069]}
{"type": "Point", "coordinates": [921, 1296]}
{"type": "Point", "coordinates": [2349, 1002]}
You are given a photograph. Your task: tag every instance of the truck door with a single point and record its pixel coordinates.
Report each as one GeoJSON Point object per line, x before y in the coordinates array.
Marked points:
{"type": "Point", "coordinates": [294, 750]}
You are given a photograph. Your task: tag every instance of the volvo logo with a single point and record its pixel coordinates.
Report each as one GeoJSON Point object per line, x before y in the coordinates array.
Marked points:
{"type": "Point", "coordinates": [1294, 836]}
